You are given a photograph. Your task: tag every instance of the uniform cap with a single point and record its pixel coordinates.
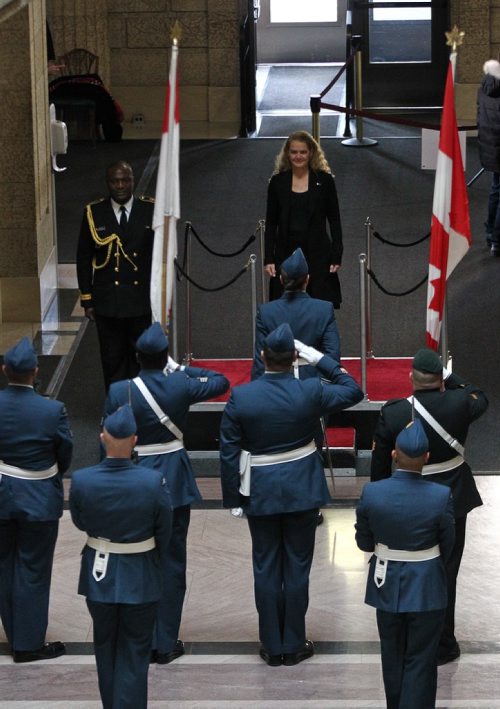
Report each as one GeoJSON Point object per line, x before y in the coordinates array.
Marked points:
{"type": "Point", "coordinates": [121, 423]}
{"type": "Point", "coordinates": [281, 339]}
{"type": "Point", "coordinates": [295, 266]}
{"type": "Point", "coordinates": [412, 440]}
{"type": "Point", "coordinates": [22, 357]}
{"type": "Point", "coordinates": [152, 340]}
{"type": "Point", "coordinates": [427, 360]}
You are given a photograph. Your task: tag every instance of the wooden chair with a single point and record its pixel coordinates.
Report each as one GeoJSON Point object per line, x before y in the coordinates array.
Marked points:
{"type": "Point", "coordinates": [78, 61]}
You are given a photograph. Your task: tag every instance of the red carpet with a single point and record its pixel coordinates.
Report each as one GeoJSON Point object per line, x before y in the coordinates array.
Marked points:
{"type": "Point", "coordinates": [387, 378]}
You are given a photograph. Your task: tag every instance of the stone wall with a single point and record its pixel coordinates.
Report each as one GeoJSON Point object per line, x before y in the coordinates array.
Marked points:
{"type": "Point", "coordinates": [480, 20]}
{"type": "Point", "coordinates": [28, 255]}
{"type": "Point", "coordinates": [140, 41]}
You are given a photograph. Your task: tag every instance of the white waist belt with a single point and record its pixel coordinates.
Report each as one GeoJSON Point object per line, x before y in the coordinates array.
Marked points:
{"type": "Point", "coordinates": [285, 456]}
{"type": "Point", "coordinates": [451, 464]}
{"type": "Point", "coordinates": [107, 547]}
{"type": "Point", "coordinates": [13, 471]}
{"type": "Point", "coordinates": [247, 461]}
{"type": "Point", "coordinates": [159, 448]}
{"type": "Point", "coordinates": [383, 552]}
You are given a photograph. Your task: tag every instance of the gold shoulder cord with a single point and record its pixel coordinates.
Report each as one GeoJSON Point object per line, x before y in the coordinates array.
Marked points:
{"type": "Point", "coordinates": [106, 241]}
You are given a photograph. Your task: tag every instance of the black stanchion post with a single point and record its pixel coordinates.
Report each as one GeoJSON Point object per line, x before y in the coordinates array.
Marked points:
{"type": "Point", "coordinates": [315, 104]}
{"type": "Point", "coordinates": [348, 72]}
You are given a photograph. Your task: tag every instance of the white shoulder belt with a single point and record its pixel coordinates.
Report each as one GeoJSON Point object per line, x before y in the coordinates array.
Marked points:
{"type": "Point", "coordinates": [164, 419]}
{"type": "Point", "coordinates": [445, 465]}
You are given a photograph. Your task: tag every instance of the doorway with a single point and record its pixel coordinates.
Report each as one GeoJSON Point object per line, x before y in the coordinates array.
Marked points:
{"type": "Point", "coordinates": [299, 48]}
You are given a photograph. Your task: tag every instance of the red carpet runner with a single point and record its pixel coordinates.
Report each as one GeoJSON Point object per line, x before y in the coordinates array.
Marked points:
{"type": "Point", "coordinates": [387, 378]}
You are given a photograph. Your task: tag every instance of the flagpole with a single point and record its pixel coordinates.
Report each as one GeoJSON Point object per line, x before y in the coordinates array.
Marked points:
{"type": "Point", "coordinates": [450, 224]}
{"type": "Point", "coordinates": [454, 39]}
{"type": "Point", "coordinates": [167, 200]}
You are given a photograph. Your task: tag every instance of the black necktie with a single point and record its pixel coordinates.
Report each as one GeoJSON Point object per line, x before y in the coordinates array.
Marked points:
{"type": "Point", "coordinates": [123, 217]}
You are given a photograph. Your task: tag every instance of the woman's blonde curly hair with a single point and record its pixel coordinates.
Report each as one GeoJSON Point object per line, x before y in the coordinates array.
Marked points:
{"type": "Point", "coordinates": [318, 160]}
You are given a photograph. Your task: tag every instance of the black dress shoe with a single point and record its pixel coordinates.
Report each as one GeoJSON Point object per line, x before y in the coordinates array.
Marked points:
{"type": "Point", "coordinates": [448, 656]}
{"type": "Point", "coordinates": [46, 652]}
{"type": "Point", "coordinates": [495, 250]}
{"type": "Point", "coordinates": [163, 658]}
{"type": "Point", "coordinates": [293, 658]}
{"type": "Point", "coordinates": [271, 660]}
{"type": "Point", "coordinates": [154, 657]}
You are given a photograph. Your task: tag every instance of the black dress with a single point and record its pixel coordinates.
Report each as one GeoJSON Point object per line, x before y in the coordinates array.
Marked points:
{"type": "Point", "coordinates": [309, 220]}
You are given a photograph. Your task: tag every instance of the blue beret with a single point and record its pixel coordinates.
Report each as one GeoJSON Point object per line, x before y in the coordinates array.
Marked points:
{"type": "Point", "coordinates": [22, 357]}
{"type": "Point", "coordinates": [121, 423]}
{"type": "Point", "coordinates": [427, 360]}
{"type": "Point", "coordinates": [152, 340]}
{"type": "Point", "coordinates": [295, 266]}
{"type": "Point", "coordinates": [281, 339]}
{"type": "Point", "coordinates": [412, 440]}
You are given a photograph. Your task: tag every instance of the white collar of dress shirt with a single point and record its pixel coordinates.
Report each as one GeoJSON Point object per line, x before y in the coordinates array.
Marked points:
{"type": "Point", "coordinates": [116, 207]}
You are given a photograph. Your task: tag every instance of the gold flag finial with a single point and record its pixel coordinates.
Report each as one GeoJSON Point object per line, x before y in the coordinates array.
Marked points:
{"type": "Point", "coordinates": [176, 32]}
{"type": "Point", "coordinates": [454, 38]}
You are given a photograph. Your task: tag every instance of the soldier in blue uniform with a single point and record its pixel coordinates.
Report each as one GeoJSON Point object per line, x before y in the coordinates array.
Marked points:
{"type": "Point", "coordinates": [312, 320]}
{"type": "Point", "coordinates": [407, 521]}
{"type": "Point", "coordinates": [113, 264]}
{"type": "Point", "coordinates": [161, 405]}
{"type": "Point", "coordinates": [126, 511]}
{"type": "Point", "coordinates": [35, 451]}
{"type": "Point", "coordinates": [267, 431]}
{"type": "Point", "coordinates": [446, 405]}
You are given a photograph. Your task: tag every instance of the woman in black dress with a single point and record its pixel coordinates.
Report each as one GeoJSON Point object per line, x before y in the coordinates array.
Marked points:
{"type": "Point", "coordinates": [303, 211]}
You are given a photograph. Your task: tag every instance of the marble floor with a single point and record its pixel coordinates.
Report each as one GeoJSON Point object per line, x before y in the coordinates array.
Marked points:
{"type": "Point", "coordinates": [221, 668]}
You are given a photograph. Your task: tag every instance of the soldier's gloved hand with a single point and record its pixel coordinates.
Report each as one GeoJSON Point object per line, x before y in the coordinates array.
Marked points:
{"type": "Point", "coordinates": [172, 365]}
{"type": "Point", "coordinates": [311, 355]}
{"type": "Point", "coordinates": [237, 511]}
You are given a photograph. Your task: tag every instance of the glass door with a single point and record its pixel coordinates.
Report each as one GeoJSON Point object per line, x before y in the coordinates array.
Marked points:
{"type": "Point", "coordinates": [404, 51]}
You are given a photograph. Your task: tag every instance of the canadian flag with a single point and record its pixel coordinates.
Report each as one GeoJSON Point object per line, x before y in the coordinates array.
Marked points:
{"type": "Point", "coordinates": [450, 228]}
{"type": "Point", "coordinates": [167, 203]}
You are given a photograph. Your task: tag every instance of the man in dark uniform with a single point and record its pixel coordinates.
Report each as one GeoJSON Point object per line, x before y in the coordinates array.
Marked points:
{"type": "Point", "coordinates": [267, 432]}
{"type": "Point", "coordinates": [35, 451]}
{"type": "Point", "coordinates": [161, 405]}
{"type": "Point", "coordinates": [407, 521]}
{"type": "Point", "coordinates": [312, 320]}
{"type": "Point", "coordinates": [447, 405]}
{"type": "Point", "coordinates": [113, 263]}
{"type": "Point", "coordinates": [126, 511]}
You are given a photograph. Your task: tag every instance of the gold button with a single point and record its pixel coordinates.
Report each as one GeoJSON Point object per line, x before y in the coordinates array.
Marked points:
{"type": "Point", "coordinates": [117, 283]}
{"type": "Point", "coordinates": [135, 253]}
{"type": "Point", "coordinates": [135, 268]}
{"type": "Point", "coordinates": [116, 268]}
{"type": "Point", "coordinates": [136, 283]}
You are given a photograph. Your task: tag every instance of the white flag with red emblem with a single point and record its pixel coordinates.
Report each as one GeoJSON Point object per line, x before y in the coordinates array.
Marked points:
{"type": "Point", "coordinates": [450, 229]}
{"type": "Point", "coordinates": [167, 203]}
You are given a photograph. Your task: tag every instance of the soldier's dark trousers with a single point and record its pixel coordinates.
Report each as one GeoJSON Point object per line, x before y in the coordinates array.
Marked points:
{"type": "Point", "coordinates": [282, 554]}
{"type": "Point", "coordinates": [448, 639]}
{"type": "Point", "coordinates": [117, 338]}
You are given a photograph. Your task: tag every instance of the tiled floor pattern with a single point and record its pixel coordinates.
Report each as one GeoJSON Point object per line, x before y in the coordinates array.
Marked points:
{"type": "Point", "coordinates": [221, 668]}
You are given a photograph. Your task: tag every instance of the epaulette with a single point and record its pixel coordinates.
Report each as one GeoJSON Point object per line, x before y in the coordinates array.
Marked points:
{"type": "Point", "coordinates": [145, 198]}
{"type": "Point", "coordinates": [96, 201]}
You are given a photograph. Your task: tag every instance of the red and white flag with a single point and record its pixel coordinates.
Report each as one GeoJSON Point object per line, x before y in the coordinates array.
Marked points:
{"type": "Point", "coordinates": [167, 203]}
{"type": "Point", "coordinates": [450, 229]}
